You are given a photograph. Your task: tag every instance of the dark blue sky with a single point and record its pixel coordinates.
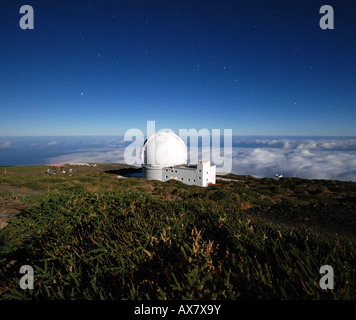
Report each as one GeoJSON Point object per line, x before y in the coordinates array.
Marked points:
{"type": "Point", "coordinates": [103, 67]}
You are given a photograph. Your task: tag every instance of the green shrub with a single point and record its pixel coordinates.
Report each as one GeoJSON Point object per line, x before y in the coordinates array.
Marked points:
{"type": "Point", "coordinates": [132, 245]}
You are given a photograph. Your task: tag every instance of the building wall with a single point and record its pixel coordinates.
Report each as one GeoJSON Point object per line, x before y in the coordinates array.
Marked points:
{"type": "Point", "coordinates": [185, 175]}
{"type": "Point", "coordinates": [202, 175]}
{"type": "Point", "coordinates": [208, 173]}
{"type": "Point", "coordinates": [152, 173]}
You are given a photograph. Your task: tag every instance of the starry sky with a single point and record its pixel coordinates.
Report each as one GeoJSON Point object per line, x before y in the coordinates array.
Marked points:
{"type": "Point", "coordinates": [93, 67]}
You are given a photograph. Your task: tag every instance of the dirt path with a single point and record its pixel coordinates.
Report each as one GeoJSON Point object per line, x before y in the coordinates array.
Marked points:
{"type": "Point", "coordinates": [6, 187]}
{"type": "Point", "coordinates": [6, 215]}
{"type": "Point", "coordinates": [9, 209]}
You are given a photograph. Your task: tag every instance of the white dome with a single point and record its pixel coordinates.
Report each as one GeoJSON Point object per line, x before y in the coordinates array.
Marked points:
{"type": "Point", "coordinates": [164, 149]}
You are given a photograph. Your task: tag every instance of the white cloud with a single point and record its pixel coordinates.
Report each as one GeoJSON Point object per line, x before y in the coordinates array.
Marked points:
{"type": "Point", "coordinates": [316, 164]}
{"type": "Point", "coordinates": [5, 144]}
{"type": "Point", "coordinates": [306, 158]}
{"type": "Point", "coordinates": [52, 143]}
{"type": "Point", "coordinates": [297, 143]}
{"type": "Point", "coordinates": [308, 145]}
{"type": "Point", "coordinates": [95, 156]}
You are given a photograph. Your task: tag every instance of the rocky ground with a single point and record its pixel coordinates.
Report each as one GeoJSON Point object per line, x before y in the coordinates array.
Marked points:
{"type": "Point", "coordinates": [334, 220]}
{"type": "Point", "coordinates": [10, 208]}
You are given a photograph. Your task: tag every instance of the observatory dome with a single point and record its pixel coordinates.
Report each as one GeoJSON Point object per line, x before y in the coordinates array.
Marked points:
{"type": "Point", "coordinates": [164, 149]}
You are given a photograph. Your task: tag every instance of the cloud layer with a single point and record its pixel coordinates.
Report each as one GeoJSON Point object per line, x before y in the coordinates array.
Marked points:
{"type": "Point", "coordinates": [317, 158]}
{"type": "Point", "coordinates": [312, 158]}
{"type": "Point", "coordinates": [5, 144]}
{"type": "Point", "coordinates": [304, 158]}
{"type": "Point", "coordinates": [303, 163]}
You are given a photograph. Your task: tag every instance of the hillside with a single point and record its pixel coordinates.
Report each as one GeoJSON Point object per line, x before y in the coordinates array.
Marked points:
{"type": "Point", "coordinates": [93, 235]}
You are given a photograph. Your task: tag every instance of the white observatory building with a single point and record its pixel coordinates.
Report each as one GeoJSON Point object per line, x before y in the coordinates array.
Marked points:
{"type": "Point", "coordinates": [164, 157]}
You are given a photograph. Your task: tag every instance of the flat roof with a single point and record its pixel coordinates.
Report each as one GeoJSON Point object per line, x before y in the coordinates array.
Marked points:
{"type": "Point", "coordinates": [184, 166]}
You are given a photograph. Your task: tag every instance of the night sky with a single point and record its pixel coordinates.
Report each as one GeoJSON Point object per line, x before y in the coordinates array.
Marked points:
{"type": "Point", "coordinates": [103, 67]}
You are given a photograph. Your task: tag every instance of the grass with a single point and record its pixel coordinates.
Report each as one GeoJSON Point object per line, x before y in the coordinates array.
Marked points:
{"type": "Point", "coordinates": [93, 236]}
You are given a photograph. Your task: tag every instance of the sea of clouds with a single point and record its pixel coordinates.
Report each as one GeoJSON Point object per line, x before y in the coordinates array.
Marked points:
{"type": "Point", "coordinates": [312, 158]}
{"type": "Point", "coordinates": [303, 157]}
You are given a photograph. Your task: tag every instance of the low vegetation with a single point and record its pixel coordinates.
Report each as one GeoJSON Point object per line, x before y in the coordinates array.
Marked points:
{"type": "Point", "coordinates": [94, 236]}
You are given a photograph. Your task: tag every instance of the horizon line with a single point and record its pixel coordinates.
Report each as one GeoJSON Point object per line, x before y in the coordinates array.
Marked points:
{"type": "Point", "coordinates": [234, 135]}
